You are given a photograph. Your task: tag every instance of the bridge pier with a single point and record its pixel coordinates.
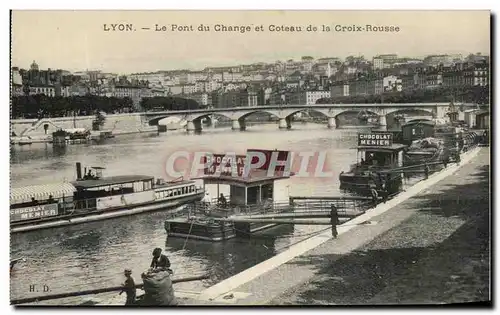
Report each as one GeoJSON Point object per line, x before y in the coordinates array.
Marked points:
{"type": "Point", "coordinates": [193, 125]}
{"type": "Point", "coordinates": [190, 125]}
{"type": "Point", "coordinates": [332, 124]}
{"type": "Point", "coordinates": [285, 123]}
{"type": "Point", "coordinates": [239, 124]}
{"type": "Point", "coordinates": [382, 121]}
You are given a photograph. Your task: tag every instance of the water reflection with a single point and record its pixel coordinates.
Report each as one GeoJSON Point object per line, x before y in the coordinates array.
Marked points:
{"type": "Point", "coordinates": [224, 259]}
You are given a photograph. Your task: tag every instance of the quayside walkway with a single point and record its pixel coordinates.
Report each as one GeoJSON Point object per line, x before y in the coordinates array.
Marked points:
{"type": "Point", "coordinates": [430, 248]}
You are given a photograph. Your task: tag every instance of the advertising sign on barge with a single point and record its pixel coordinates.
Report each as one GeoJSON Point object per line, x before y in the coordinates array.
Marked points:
{"type": "Point", "coordinates": [375, 139]}
{"type": "Point", "coordinates": [34, 212]}
{"type": "Point", "coordinates": [376, 152]}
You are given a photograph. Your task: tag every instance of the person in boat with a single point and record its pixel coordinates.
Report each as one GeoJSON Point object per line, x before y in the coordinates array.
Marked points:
{"type": "Point", "coordinates": [206, 199]}
{"type": "Point", "coordinates": [129, 287]}
{"type": "Point", "coordinates": [222, 201]}
{"type": "Point", "coordinates": [334, 220]}
{"type": "Point", "coordinates": [160, 261]}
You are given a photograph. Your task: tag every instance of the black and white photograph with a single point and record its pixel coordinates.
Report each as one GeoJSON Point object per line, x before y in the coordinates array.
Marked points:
{"type": "Point", "coordinates": [250, 158]}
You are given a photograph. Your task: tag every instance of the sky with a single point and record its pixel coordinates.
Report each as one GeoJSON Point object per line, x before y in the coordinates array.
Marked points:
{"type": "Point", "coordinates": [77, 40]}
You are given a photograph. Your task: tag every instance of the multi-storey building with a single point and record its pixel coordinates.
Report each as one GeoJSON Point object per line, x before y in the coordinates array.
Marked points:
{"type": "Point", "coordinates": [339, 89]}
{"type": "Point", "coordinates": [407, 82]}
{"type": "Point", "coordinates": [264, 96]}
{"type": "Point", "coordinates": [433, 80]}
{"type": "Point", "coordinates": [248, 98]}
{"type": "Point", "coordinates": [277, 97]}
{"type": "Point", "coordinates": [436, 60]}
{"type": "Point", "coordinates": [378, 63]}
{"type": "Point", "coordinates": [481, 74]}
{"type": "Point", "coordinates": [189, 88]}
{"type": "Point", "coordinates": [17, 89]}
{"type": "Point", "coordinates": [201, 98]}
{"type": "Point", "coordinates": [453, 78]}
{"type": "Point", "coordinates": [39, 89]}
{"type": "Point", "coordinates": [306, 97]}
{"type": "Point", "coordinates": [175, 89]}
{"type": "Point", "coordinates": [361, 87]}
{"type": "Point", "coordinates": [191, 77]}
{"type": "Point", "coordinates": [154, 78]}
{"type": "Point", "coordinates": [392, 83]}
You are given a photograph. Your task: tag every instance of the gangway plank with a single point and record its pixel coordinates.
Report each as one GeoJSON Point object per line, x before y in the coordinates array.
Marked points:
{"type": "Point", "coordinates": [281, 221]}
{"type": "Point", "coordinates": [302, 214]}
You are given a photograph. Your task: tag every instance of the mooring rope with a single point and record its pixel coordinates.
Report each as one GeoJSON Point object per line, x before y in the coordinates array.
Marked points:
{"type": "Point", "coordinates": [189, 233]}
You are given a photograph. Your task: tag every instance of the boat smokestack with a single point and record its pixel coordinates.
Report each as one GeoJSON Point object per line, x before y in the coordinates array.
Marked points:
{"type": "Point", "coordinates": [78, 170]}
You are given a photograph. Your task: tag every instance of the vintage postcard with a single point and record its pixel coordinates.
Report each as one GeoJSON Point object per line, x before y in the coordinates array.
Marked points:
{"type": "Point", "coordinates": [230, 158]}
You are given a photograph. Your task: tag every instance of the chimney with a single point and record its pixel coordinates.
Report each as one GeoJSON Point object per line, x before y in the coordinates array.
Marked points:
{"type": "Point", "coordinates": [78, 171]}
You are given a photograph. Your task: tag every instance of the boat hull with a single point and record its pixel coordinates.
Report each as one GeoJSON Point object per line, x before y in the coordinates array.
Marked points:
{"type": "Point", "coordinates": [109, 214]}
{"type": "Point", "coordinates": [362, 184]}
{"type": "Point", "coordinates": [205, 231]}
{"type": "Point", "coordinates": [422, 157]}
{"type": "Point", "coordinates": [212, 232]}
{"type": "Point", "coordinates": [245, 229]}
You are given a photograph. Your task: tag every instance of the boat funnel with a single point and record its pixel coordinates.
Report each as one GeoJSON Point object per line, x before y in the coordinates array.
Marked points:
{"type": "Point", "coordinates": [78, 170]}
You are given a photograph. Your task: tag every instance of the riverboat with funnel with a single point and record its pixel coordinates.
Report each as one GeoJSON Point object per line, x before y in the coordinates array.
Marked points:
{"type": "Point", "coordinates": [93, 197]}
{"type": "Point", "coordinates": [376, 152]}
{"type": "Point", "coordinates": [255, 192]}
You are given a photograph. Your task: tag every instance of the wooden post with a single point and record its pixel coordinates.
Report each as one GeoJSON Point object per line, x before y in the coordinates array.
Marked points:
{"type": "Point", "coordinates": [93, 291]}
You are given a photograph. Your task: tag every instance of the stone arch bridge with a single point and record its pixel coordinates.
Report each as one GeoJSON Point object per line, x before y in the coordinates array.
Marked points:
{"type": "Point", "coordinates": [285, 113]}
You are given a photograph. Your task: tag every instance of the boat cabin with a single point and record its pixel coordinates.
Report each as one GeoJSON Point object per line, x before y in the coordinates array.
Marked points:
{"type": "Point", "coordinates": [377, 151]}
{"type": "Point", "coordinates": [96, 191]}
{"type": "Point", "coordinates": [418, 129]}
{"type": "Point", "coordinates": [258, 187]}
{"type": "Point", "coordinates": [38, 201]}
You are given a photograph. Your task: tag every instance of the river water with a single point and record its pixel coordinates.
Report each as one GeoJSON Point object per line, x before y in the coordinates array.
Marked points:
{"type": "Point", "coordinates": [94, 255]}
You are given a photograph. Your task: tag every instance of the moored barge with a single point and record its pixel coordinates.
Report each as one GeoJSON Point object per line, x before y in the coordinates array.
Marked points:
{"type": "Point", "coordinates": [255, 192]}
{"type": "Point", "coordinates": [93, 197]}
{"type": "Point", "coordinates": [376, 152]}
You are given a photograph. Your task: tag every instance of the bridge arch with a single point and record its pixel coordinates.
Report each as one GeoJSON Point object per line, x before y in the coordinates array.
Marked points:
{"type": "Point", "coordinates": [394, 118]}
{"type": "Point", "coordinates": [355, 112]}
{"type": "Point", "coordinates": [189, 117]}
{"type": "Point", "coordinates": [250, 113]}
{"type": "Point", "coordinates": [293, 112]}
{"type": "Point", "coordinates": [414, 111]}
{"type": "Point", "coordinates": [418, 119]}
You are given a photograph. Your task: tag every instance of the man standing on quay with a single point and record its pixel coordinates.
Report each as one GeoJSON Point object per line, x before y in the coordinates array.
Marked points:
{"type": "Point", "coordinates": [334, 220]}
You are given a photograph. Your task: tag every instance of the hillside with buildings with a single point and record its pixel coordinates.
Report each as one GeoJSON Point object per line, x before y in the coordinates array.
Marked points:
{"type": "Point", "coordinates": [388, 78]}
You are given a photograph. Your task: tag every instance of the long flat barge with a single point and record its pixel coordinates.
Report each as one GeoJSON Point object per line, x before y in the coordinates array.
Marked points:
{"type": "Point", "coordinates": [94, 198]}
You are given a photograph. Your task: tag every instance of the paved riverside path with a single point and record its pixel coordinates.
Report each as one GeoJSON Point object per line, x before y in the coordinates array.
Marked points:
{"type": "Point", "coordinates": [431, 248]}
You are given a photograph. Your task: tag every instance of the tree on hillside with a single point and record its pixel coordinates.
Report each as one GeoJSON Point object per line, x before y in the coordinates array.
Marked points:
{"type": "Point", "coordinates": [99, 121]}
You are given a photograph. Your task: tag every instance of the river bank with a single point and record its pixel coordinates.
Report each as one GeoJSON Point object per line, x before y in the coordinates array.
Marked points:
{"type": "Point", "coordinates": [431, 248]}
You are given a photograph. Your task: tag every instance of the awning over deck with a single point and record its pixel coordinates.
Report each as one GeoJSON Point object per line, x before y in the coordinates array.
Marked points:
{"type": "Point", "coordinates": [40, 192]}
{"type": "Point", "coordinates": [255, 177]}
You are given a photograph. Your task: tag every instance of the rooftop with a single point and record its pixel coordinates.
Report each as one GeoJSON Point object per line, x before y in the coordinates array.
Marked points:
{"type": "Point", "coordinates": [392, 148]}
{"type": "Point", "coordinates": [112, 180]}
{"type": "Point", "coordinates": [253, 177]}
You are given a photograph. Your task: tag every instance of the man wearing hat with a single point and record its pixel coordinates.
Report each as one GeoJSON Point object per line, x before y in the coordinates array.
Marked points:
{"type": "Point", "coordinates": [129, 287]}
{"type": "Point", "coordinates": [159, 260]}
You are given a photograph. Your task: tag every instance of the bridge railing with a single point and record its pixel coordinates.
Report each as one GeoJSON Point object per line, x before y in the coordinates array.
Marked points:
{"type": "Point", "coordinates": [345, 205]}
